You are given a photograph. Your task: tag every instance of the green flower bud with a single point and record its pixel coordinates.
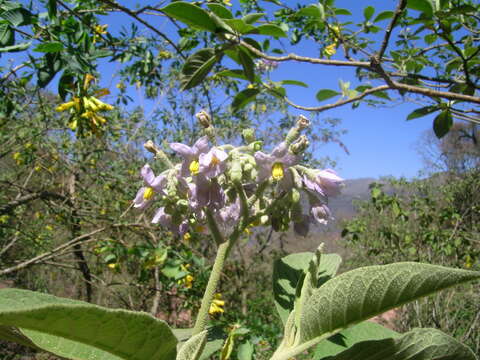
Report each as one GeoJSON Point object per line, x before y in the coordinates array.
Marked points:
{"type": "Point", "coordinates": [248, 135]}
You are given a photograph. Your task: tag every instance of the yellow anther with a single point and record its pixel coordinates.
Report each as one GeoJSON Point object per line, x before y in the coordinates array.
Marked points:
{"type": "Point", "coordinates": [148, 193]}
{"type": "Point", "coordinates": [277, 171]}
{"type": "Point", "coordinates": [187, 237]}
{"type": "Point", "coordinates": [215, 160]}
{"type": "Point", "coordinates": [194, 167]}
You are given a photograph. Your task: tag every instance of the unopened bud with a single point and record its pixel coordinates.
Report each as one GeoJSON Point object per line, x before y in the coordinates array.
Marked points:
{"type": "Point", "coordinates": [300, 145]}
{"type": "Point", "coordinates": [151, 147]}
{"type": "Point", "coordinates": [248, 135]}
{"type": "Point", "coordinates": [302, 122]}
{"type": "Point", "coordinates": [204, 118]}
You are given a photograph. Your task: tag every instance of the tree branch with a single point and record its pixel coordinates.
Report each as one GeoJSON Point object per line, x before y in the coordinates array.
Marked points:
{"type": "Point", "coordinates": [294, 57]}
{"type": "Point", "coordinates": [398, 11]}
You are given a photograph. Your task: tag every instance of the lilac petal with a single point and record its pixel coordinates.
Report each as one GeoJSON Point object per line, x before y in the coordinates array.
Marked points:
{"type": "Point", "coordinates": [138, 201]}
{"type": "Point", "coordinates": [161, 217]}
{"type": "Point", "coordinates": [264, 163]}
{"type": "Point", "coordinates": [329, 181]}
{"type": "Point", "coordinates": [217, 196]}
{"type": "Point", "coordinates": [202, 191]}
{"type": "Point", "coordinates": [280, 150]}
{"type": "Point", "coordinates": [213, 163]}
{"type": "Point", "coordinates": [201, 145]}
{"type": "Point", "coordinates": [321, 214]}
{"type": "Point", "coordinates": [147, 174]}
{"type": "Point", "coordinates": [313, 187]}
{"type": "Point", "coordinates": [159, 183]}
{"type": "Point", "coordinates": [186, 151]}
{"type": "Point", "coordinates": [289, 160]}
{"type": "Point", "coordinates": [286, 183]}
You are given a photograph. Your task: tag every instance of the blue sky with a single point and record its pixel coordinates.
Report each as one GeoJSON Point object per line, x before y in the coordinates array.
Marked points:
{"type": "Point", "coordinates": [381, 142]}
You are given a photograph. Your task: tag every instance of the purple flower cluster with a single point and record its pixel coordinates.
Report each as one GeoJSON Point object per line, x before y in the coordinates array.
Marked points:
{"type": "Point", "coordinates": [208, 180]}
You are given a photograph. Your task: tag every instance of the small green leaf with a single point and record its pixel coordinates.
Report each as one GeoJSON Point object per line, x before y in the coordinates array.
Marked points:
{"type": "Point", "coordinates": [384, 15]}
{"type": "Point", "coordinates": [253, 43]}
{"type": "Point", "coordinates": [16, 47]}
{"type": "Point", "coordinates": [18, 17]}
{"type": "Point", "coordinates": [325, 94]}
{"type": "Point", "coordinates": [65, 84]}
{"type": "Point", "coordinates": [420, 112]}
{"type": "Point", "coordinates": [270, 30]}
{"type": "Point", "coordinates": [418, 344]}
{"type": "Point", "coordinates": [381, 95]}
{"type": "Point", "coordinates": [368, 12]}
{"type": "Point", "coordinates": [52, 9]}
{"type": "Point", "coordinates": [342, 12]}
{"type": "Point", "coordinates": [252, 18]}
{"type": "Point", "coordinates": [245, 351]}
{"type": "Point", "coordinates": [233, 73]}
{"type": "Point", "coordinates": [243, 98]}
{"type": "Point", "coordinates": [190, 14]}
{"type": "Point", "coordinates": [442, 123]}
{"type": "Point", "coordinates": [240, 26]}
{"type": "Point", "coordinates": [317, 11]}
{"type": "Point", "coordinates": [424, 6]}
{"type": "Point", "coordinates": [7, 35]}
{"type": "Point", "coordinates": [247, 64]}
{"type": "Point", "coordinates": [197, 66]}
{"type": "Point", "coordinates": [345, 339]}
{"type": "Point", "coordinates": [49, 47]}
{"type": "Point", "coordinates": [51, 65]}
{"type": "Point", "coordinates": [100, 333]}
{"type": "Point", "coordinates": [221, 11]}
{"type": "Point", "coordinates": [294, 82]}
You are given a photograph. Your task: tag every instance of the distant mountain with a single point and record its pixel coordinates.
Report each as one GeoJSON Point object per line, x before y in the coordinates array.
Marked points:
{"type": "Point", "coordinates": [342, 206]}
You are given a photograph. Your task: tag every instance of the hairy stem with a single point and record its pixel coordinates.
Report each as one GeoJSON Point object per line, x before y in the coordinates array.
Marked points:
{"type": "Point", "coordinates": [202, 317]}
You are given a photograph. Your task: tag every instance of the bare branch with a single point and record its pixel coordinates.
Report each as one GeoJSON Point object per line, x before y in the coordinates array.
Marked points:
{"type": "Point", "coordinates": [27, 198]}
{"type": "Point", "coordinates": [398, 11]}
{"type": "Point", "coordinates": [338, 103]}
{"type": "Point", "coordinates": [294, 57]}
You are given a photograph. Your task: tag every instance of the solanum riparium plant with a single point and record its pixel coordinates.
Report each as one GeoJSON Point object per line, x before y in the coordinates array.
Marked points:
{"type": "Point", "coordinates": [223, 190]}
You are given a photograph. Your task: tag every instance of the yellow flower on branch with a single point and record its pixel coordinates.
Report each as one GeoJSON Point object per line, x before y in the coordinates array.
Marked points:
{"type": "Point", "coordinates": [216, 307]}
{"type": "Point", "coordinates": [331, 49]}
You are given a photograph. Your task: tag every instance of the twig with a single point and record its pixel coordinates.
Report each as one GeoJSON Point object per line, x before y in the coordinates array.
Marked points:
{"type": "Point", "coordinates": [398, 11]}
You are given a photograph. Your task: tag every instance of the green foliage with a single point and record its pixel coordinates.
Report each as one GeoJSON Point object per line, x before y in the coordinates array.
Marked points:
{"type": "Point", "coordinates": [421, 344]}
{"type": "Point", "coordinates": [99, 332]}
{"type": "Point", "coordinates": [432, 220]}
{"type": "Point", "coordinates": [364, 331]}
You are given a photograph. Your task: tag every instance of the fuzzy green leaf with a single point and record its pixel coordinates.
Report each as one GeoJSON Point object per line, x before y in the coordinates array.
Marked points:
{"type": "Point", "coordinates": [79, 330]}
{"type": "Point", "coordinates": [289, 270]}
{"type": "Point", "coordinates": [247, 64]}
{"type": "Point", "coordinates": [190, 14]}
{"type": "Point", "coordinates": [294, 82]}
{"type": "Point", "coordinates": [362, 293]}
{"type": "Point", "coordinates": [193, 347]}
{"type": "Point", "coordinates": [418, 344]}
{"type": "Point", "coordinates": [345, 339]}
